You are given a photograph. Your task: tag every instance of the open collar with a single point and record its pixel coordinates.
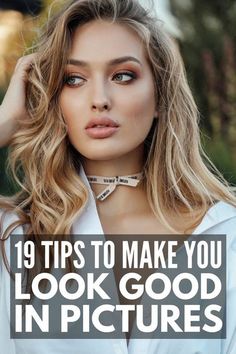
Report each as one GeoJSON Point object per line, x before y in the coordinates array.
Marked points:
{"type": "Point", "coordinates": [89, 222]}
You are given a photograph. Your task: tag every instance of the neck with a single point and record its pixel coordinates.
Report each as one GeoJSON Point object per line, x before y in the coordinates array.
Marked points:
{"type": "Point", "coordinates": [124, 165]}
{"type": "Point", "coordinates": [124, 199]}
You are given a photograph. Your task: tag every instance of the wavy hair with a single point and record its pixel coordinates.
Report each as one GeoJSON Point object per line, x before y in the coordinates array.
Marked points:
{"type": "Point", "coordinates": [178, 175]}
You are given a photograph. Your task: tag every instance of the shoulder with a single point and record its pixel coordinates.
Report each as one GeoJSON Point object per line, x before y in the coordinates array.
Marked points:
{"type": "Point", "coordinates": [220, 220]}
{"type": "Point", "coordinates": [221, 216]}
{"type": "Point", "coordinates": [7, 219]}
{"type": "Point", "coordinates": [223, 209]}
{"type": "Point", "coordinates": [9, 222]}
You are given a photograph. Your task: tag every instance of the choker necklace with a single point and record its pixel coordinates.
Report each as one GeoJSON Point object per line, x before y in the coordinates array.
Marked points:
{"type": "Point", "coordinates": [131, 180]}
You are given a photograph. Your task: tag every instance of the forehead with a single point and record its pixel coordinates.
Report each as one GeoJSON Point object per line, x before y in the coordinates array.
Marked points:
{"type": "Point", "coordinates": [102, 40]}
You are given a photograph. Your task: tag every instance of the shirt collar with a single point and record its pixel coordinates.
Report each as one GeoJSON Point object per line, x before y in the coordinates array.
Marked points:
{"type": "Point", "coordinates": [89, 221]}
{"type": "Point", "coordinates": [218, 213]}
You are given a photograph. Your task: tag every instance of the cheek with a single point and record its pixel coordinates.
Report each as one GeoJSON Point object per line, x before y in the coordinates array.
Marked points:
{"type": "Point", "coordinates": [141, 107]}
{"type": "Point", "coordinates": [65, 105]}
{"type": "Point", "coordinates": [69, 108]}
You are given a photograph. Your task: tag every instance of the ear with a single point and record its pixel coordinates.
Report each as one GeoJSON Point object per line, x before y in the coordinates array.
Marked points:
{"type": "Point", "coordinates": [156, 114]}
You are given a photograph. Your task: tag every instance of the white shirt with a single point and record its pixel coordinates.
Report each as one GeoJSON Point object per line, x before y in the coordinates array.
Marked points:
{"type": "Point", "coordinates": [220, 219]}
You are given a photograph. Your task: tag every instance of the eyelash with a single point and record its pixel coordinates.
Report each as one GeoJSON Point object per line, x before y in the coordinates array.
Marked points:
{"type": "Point", "coordinates": [71, 76]}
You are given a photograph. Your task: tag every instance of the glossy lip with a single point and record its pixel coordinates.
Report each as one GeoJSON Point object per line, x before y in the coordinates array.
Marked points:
{"type": "Point", "coordinates": [108, 128]}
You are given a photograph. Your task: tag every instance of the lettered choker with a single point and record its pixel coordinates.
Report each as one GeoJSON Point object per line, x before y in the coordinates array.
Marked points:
{"type": "Point", "coordinates": [131, 180]}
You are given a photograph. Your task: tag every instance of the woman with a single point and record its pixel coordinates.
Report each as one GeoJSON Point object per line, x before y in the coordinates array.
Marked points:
{"type": "Point", "coordinates": [94, 111]}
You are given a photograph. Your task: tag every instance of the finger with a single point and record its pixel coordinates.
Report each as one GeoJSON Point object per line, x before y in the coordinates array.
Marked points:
{"type": "Point", "coordinates": [25, 62]}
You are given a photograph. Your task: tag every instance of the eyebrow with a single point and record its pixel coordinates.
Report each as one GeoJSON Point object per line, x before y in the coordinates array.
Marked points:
{"type": "Point", "coordinates": [110, 63]}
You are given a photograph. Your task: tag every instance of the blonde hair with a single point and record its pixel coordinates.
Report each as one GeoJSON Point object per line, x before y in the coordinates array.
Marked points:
{"type": "Point", "coordinates": [43, 161]}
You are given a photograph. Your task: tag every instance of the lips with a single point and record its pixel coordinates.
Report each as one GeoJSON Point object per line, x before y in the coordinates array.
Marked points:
{"type": "Point", "coordinates": [101, 123]}
{"type": "Point", "coordinates": [101, 128]}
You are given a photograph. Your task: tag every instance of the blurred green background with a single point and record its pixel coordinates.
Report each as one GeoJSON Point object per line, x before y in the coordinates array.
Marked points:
{"type": "Point", "coordinates": [207, 39]}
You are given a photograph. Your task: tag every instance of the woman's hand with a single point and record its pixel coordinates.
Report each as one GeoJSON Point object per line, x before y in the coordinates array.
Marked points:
{"type": "Point", "coordinates": [13, 104]}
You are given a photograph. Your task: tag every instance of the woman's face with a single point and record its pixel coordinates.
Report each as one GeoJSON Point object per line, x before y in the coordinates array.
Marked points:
{"type": "Point", "coordinates": [107, 100]}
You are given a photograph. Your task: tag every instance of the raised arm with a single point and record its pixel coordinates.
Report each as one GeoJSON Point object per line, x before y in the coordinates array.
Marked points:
{"type": "Point", "coordinates": [13, 104]}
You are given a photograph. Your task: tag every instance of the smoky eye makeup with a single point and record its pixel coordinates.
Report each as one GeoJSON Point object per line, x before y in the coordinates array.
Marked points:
{"type": "Point", "coordinates": [120, 75]}
{"type": "Point", "coordinates": [124, 74]}
{"type": "Point", "coordinates": [128, 69]}
{"type": "Point", "coordinates": [72, 80]}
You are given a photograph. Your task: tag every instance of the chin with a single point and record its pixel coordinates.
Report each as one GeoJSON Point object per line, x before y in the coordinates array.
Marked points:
{"type": "Point", "coordinates": [102, 154]}
{"type": "Point", "coordinates": [100, 157]}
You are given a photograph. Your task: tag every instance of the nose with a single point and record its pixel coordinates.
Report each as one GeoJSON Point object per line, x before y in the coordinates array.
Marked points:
{"type": "Point", "coordinates": [100, 99]}
{"type": "Point", "coordinates": [100, 107]}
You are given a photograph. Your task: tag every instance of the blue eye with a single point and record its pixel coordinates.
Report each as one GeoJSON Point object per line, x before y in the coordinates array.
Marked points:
{"type": "Point", "coordinates": [73, 80]}
{"type": "Point", "coordinates": [129, 75]}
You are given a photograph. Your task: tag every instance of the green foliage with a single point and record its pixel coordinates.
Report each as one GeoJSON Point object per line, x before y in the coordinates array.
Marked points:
{"type": "Point", "coordinates": [7, 186]}
{"type": "Point", "coordinates": [221, 155]}
{"type": "Point", "coordinates": [209, 52]}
